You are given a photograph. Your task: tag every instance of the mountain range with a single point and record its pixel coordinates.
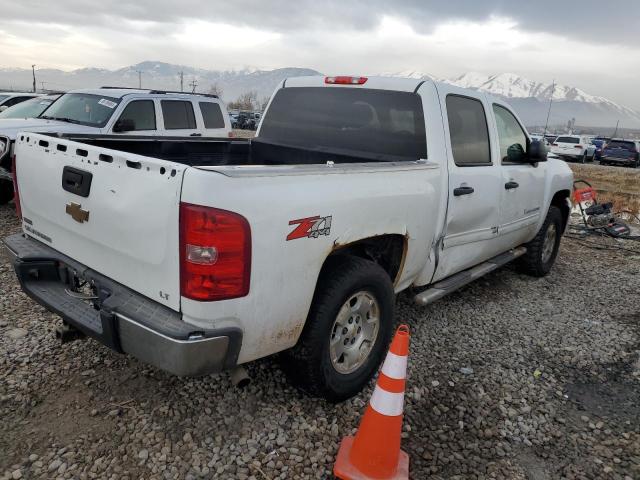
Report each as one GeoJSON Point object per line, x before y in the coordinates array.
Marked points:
{"type": "Point", "coordinates": [530, 98]}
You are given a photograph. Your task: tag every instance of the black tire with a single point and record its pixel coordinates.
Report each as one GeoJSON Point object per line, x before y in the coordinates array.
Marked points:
{"type": "Point", "coordinates": [584, 158]}
{"type": "Point", "coordinates": [532, 263]}
{"type": "Point", "coordinates": [6, 191]}
{"type": "Point", "coordinates": [308, 365]}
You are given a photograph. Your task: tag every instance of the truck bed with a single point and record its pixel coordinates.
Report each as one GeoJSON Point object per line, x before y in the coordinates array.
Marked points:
{"type": "Point", "coordinates": [203, 152]}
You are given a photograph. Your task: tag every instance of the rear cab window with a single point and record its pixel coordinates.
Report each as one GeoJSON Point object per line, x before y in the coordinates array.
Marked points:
{"type": "Point", "coordinates": [178, 115]}
{"type": "Point", "coordinates": [375, 125]}
{"type": "Point", "coordinates": [625, 145]}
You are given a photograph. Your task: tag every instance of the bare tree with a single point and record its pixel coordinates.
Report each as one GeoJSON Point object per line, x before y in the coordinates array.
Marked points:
{"type": "Point", "coordinates": [216, 89]}
{"type": "Point", "coordinates": [263, 103]}
{"type": "Point", "coordinates": [246, 101]}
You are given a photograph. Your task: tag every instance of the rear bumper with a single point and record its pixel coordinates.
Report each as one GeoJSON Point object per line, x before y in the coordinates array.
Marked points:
{"type": "Point", "coordinates": [620, 160]}
{"type": "Point", "coordinates": [120, 318]}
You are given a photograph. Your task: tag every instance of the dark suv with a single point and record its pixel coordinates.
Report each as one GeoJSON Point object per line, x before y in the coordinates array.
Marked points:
{"type": "Point", "coordinates": [621, 152]}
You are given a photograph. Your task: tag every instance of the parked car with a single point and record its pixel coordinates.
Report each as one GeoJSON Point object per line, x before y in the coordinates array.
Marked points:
{"type": "Point", "coordinates": [621, 152]}
{"type": "Point", "coordinates": [160, 249]}
{"type": "Point", "coordinates": [573, 147]}
{"type": "Point", "coordinates": [599, 144]}
{"type": "Point", "coordinates": [29, 108]}
{"type": "Point", "coordinates": [9, 99]}
{"type": "Point", "coordinates": [117, 111]}
{"type": "Point", "coordinates": [246, 120]}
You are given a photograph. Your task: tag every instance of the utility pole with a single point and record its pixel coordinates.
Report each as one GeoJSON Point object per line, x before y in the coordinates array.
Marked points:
{"type": "Point", "coordinates": [546, 124]}
{"type": "Point", "coordinates": [139, 78]}
{"type": "Point", "coordinates": [33, 71]}
{"type": "Point", "coordinates": [193, 84]}
{"type": "Point", "coordinates": [182, 81]}
{"type": "Point", "coordinates": [616, 130]}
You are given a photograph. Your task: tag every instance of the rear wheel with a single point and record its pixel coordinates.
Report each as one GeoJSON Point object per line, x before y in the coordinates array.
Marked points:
{"type": "Point", "coordinates": [347, 331]}
{"type": "Point", "coordinates": [543, 249]}
{"type": "Point", "coordinates": [584, 158]}
{"type": "Point", "coordinates": [6, 191]}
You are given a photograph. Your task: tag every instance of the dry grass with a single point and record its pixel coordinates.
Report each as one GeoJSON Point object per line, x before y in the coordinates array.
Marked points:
{"type": "Point", "coordinates": [613, 184]}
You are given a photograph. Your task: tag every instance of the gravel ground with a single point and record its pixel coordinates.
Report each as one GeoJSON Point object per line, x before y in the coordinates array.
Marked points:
{"type": "Point", "coordinates": [512, 377]}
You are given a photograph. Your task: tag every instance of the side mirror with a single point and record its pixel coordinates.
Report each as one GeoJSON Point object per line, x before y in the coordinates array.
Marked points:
{"type": "Point", "coordinates": [537, 152]}
{"type": "Point", "coordinates": [124, 125]}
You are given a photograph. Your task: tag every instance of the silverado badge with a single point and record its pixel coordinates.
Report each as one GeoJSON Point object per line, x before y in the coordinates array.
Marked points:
{"type": "Point", "coordinates": [77, 213]}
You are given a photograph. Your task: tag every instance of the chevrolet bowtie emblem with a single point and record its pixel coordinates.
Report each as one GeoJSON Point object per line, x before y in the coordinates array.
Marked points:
{"type": "Point", "coordinates": [77, 213]}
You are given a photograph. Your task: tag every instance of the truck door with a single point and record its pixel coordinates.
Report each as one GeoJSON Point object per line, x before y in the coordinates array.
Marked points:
{"type": "Point", "coordinates": [470, 234]}
{"type": "Point", "coordinates": [522, 187]}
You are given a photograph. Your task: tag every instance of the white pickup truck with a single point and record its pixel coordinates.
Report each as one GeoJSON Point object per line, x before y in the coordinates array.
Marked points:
{"type": "Point", "coordinates": [117, 111]}
{"type": "Point", "coordinates": [200, 255]}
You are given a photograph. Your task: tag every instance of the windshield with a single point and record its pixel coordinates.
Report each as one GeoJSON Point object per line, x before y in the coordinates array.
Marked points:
{"type": "Point", "coordinates": [27, 109]}
{"type": "Point", "coordinates": [380, 124]}
{"type": "Point", "coordinates": [83, 109]}
{"type": "Point", "coordinates": [567, 140]}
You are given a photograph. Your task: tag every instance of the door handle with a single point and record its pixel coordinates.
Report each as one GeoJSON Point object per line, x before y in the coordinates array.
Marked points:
{"type": "Point", "coordinates": [511, 185]}
{"type": "Point", "coordinates": [195, 135]}
{"type": "Point", "coordinates": [462, 191]}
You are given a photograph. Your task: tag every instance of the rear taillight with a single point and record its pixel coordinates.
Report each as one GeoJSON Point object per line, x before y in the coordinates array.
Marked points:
{"type": "Point", "coordinates": [554, 144]}
{"type": "Point", "coordinates": [578, 146]}
{"type": "Point", "coordinates": [16, 193]}
{"type": "Point", "coordinates": [215, 253]}
{"type": "Point", "coordinates": [345, 80]}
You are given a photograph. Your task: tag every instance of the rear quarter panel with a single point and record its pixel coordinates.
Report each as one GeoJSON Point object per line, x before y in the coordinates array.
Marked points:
{"type": "Point", "coordinates": [362, 202]}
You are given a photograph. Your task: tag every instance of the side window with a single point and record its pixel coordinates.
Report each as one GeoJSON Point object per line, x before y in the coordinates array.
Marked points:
{"type": "Point", "coordinates": [513, 140]}
{"type": "Point", "coordinates": [178, 115]}
{"type": "Point", "coordinates": [142, 113]}
{"type": "Point", "coordinates": [212, 115]}
{"type": "Point", "coordinates": [15, 100]}
{"type": "Point", "coordinates": [469, 131]}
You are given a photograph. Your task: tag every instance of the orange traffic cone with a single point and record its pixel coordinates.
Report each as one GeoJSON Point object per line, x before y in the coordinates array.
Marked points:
{"type": "Point", "coordinates": [375, 450]}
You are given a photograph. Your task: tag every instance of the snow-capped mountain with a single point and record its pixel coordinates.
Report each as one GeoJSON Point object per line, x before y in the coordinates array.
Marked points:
{"type": "Point", "coordinates": [510, 85]}
{"type": "Point", "coordinates": [529, 97]}
{"type": "Point", "coordinates": [157, 75]}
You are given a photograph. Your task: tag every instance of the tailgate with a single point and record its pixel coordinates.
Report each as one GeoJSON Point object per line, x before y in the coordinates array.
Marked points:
{"type": "Point", "coordinates": [115, 212]}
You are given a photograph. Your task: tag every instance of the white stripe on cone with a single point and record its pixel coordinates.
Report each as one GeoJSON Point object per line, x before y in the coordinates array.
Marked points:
{"type": "Point", "coordinates": [387, 403]}
{"type": "Point", "coordinates": [395, 366]}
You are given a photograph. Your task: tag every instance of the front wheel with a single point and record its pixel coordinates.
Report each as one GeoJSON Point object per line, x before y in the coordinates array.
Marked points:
{"type": "Point", "coordinates": [543, 249]}
{"type": "Point", "coordinates": [347, 331]}
{"type": "Point", "coordinates": [6, 191]}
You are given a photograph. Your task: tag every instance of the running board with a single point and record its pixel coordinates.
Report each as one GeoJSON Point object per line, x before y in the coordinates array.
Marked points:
{"type": "Point", "coordinates": [454, 282]}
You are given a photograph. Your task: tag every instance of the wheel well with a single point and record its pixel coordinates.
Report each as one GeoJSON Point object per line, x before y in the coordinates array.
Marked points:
{"type": "Point", "coordinates": [560, 200]}
{"type": "Point", "coordinates": [385, 250]}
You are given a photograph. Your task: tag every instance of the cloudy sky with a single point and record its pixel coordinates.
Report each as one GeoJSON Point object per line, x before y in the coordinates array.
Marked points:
{"type": "Point", "coordinates": [593, 45]}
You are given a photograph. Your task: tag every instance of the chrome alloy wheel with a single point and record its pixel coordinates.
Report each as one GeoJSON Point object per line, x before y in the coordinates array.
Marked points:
{"type": "Point", "coordinates": [549, 242]}
{"type": "Point", "coordinates": [354, 332]}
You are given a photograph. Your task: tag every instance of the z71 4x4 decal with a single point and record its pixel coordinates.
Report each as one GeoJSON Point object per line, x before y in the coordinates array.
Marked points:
{"type": "Point", "coordinates": [310, 227]}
